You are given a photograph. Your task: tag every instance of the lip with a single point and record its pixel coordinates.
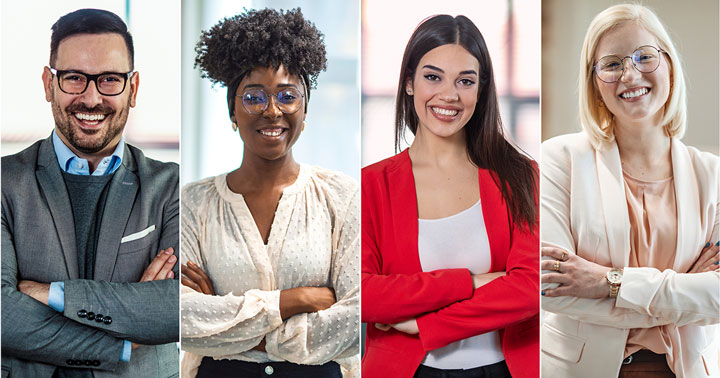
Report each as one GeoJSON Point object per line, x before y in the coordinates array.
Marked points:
{"type": "Point", "coordinates": [264, 132]}
{"type": "Point", "coordinates": [90, 125]}
{"type": "Point", "coordinates": [447, 108]}
{"type": "Point", "coordinates": [634, 89]}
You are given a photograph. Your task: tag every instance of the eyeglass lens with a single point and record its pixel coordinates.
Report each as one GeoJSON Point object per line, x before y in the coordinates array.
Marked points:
{"type": "Point", "coordinates": [610, 68]}
{"type": "Point", "coordinates": [107, 84]}
{"type": "Point", "coordinates": [255, 101]}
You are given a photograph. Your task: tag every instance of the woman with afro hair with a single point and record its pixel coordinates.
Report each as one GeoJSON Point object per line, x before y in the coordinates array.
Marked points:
{"type": "Point", "coordinates": [270, 251]}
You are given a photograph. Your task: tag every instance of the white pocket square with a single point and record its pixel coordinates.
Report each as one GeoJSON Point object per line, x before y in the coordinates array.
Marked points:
{"type": "Point", "coordinates": [137, 235]}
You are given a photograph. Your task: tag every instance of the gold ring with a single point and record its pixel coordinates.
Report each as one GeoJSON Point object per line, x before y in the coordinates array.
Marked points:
{"type": "Point", "coordinates": [564, 256]}
{"type": "Point", "coordinates": [556, 266]}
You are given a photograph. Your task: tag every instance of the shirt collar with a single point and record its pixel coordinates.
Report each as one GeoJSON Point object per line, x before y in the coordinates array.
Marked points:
{"type": "Point", "coordinates": [73, 164]}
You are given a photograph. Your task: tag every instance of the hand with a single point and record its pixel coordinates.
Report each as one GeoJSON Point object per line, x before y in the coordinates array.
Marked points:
{"type": "Point", "coordinates": [194, 278]}
{"type": "Point", "coordinates": [409, 326]}
{"type": "Point", "coordinates": [134, 346]}
{"type": "Point", "coordinates": [304, 300]}
{"type": "Point", "coordinates": [577, 277]}
{"type": "Point", "coordinates": [37, 290]}
{"type": "Point", "coordinates": [160, 267]}
{"type": "Point", "coordinates": [709, 259]}
{"type": "Point", "coordinates": [484, 279]}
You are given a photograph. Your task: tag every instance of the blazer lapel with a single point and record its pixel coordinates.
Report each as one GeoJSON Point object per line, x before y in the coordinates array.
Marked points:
{"type": "Point", "coordinates": [403, 202]}
{"type": "Point", "coordinates": [53, 185]}
{"type": "Point", "coordinates": [121, 196]}
{"type": "Point", "coordinates": [497, 222]}
{"type": "Point", "coordinates": [687, 202]}
{"type": "Point", "coordinates": [614, 204]}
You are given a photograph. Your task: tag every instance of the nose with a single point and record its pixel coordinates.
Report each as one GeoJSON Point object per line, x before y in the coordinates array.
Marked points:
{"type": "Point", "coordinates": [449, 92]}
{"type": "Point", "coordinates": [630, 73]}
{"type": "Point", "coordinates": [91, 97]}
{"type": "Point", "coordinates": [272, 111]}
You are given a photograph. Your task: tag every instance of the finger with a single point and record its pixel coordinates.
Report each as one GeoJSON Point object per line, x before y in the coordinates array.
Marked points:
{"type": "Point", "coordinates": [155, 265]}
{"type": "Point", "coordinates": [167, 267]}
{"type": "Point", "coordinates": [550, 265]}
{"type": "Point", "coordinates": [202, 279]}
{"type": "Point", "coordinates": [186, 282]}
{"type": "Point", "coordinates": [555, 278]}
{"type": "Point", "coordinates": [553, 252]}
{"type": "Point", "coordinates": [559, 291]}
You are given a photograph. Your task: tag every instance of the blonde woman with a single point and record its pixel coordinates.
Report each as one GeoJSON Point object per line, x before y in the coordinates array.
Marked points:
{"type": "Point", "coordinates": [629, 217]}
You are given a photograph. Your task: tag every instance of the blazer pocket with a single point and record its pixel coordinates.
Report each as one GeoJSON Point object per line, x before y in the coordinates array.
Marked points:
{"type": "Point", "coordinates": [561, 345]}
{"type": "Point", "coordinates": [137, 240]}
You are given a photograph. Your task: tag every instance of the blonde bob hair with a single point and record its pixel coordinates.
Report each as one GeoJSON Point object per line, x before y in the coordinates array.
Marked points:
{"type": "Point", "coordinates": [596, 120]}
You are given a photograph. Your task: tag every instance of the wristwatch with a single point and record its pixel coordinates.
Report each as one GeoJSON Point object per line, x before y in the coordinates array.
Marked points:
{"type": "Point", "coordinates": [614, 279]}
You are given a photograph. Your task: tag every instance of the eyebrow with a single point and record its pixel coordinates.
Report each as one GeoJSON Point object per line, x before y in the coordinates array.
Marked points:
{"type": "Point", "coordinates": [262, 86]}
{"type": "Point", "coordinates": [466, 72]}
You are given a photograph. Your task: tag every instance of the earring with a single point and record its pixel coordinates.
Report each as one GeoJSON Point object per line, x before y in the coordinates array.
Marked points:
{"type": "Point", "coordinates": [303, 127]}
{"type": "Point", "coordinates": [409, 92]}
{"type": "Point", "coordinates": [234, 126]}
{"type": "Point", "coordinates": [601, 104]}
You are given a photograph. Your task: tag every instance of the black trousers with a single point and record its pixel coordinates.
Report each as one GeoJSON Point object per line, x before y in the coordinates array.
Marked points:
{"type": "Point", "coordinates": [496, 370]}
{"type": "Point", "coordinates": [210, 368]}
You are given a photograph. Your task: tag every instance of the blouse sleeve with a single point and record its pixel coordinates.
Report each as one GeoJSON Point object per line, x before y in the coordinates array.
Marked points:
{"type": "Point", "coordinates": [319, 337]}
{"type": "Point", "coordinates": [647, 297]}
{"type": "Point", "coordinates": [220, 325]}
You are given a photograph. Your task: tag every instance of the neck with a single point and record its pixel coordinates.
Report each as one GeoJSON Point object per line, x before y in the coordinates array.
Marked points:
{"type": "Point", "coordinates": [258, 173]}
{"type": "Point", "coordinates": [642, 141]}
{"type": "Point", "coordinates": [439, 152]}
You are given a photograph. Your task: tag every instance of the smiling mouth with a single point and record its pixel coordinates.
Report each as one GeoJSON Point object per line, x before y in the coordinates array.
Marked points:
{"type": "Point", "coordinates": [636, 93]}
{"type": "Point", "coordinates": [274, 132]}
{"type": "Point", "coordinates": [90, 119]}
{"type": "Point", "coordinates": [444, 112]}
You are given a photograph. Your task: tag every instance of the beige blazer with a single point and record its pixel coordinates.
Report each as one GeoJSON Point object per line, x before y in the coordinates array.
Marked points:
{"type": "Point", "coordinates": [584, 211]}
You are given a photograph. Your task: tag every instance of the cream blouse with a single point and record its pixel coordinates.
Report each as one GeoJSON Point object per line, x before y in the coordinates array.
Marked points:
{"type": "Point", "coordinates": [314, 241]}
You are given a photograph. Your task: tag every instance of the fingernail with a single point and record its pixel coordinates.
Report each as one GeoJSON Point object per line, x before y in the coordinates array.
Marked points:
{"type": "Point", "coordinates": [717, 262]}
{"type": "Point", "coordinates": [170, 274]}
{"type": "Point", "coordinates": [707, 245]}
{"type": "Point", "coordinates": [172, 258]}
{"type": "Point", "coordinates": [168, 251]}
{"type": "Point", "coordinates": [191, 263]}
{"type": "Point", "coordinates": [542, 292]}
{"type": "Point", "coordinates": [717, 244]}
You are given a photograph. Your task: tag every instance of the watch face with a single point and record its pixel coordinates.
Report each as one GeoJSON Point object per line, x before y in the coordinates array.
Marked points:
{"type": "Point", "coordinates": [614, 276]}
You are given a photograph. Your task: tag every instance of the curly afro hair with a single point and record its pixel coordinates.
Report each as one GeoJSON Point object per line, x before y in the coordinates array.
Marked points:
{"type": "Point", "coordinates": [261, 38]}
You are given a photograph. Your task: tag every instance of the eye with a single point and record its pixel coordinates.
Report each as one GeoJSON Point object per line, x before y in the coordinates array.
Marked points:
{"type": "Point", "coordinates": [432, 77]}
{"type": "Point", "coordinates": [466, 82]}
{"type": "Point", "coordinates": [111, 79]}
{"type": "Point", "coordinates": [287, 96]}
{"type": "Point", "coordinates": [73, 77]}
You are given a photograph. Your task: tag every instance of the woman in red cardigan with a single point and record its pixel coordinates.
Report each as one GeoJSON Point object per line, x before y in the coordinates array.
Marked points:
{"type": "Point", "coordinates": [450, 281]}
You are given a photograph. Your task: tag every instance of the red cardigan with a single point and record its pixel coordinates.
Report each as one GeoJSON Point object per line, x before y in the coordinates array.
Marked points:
{"type": "Point", "coordinates": [394, 287]}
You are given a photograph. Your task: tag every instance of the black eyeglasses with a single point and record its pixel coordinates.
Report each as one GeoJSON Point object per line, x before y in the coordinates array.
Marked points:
{"type": "Point", "coordinates": [107, 83]}
{"type": "Point", "coordinates": [256, 100]}
{"type": "Point", "coordinates": [645, 59]}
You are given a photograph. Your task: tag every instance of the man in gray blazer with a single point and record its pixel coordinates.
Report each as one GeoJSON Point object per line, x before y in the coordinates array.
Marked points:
{"type": "Point", "coordinates": [89, 224]}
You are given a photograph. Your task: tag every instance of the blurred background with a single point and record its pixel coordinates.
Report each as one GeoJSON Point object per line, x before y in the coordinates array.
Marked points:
{"type": "Point", "coordinates": [511, 29]}
{"type": "Point", "coordinates": [693, 29]}
{"type": "Point", "coordinates": [25, 116]}
{"type": "Point", "coordinates": [332, 136]}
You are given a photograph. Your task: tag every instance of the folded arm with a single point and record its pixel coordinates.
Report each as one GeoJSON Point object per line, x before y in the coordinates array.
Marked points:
{"type": "Point", "coordinates": [33, 331]}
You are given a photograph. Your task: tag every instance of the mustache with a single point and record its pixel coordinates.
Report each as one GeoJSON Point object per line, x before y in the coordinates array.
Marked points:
{"type": "Point", "coordinates": [79, 108]}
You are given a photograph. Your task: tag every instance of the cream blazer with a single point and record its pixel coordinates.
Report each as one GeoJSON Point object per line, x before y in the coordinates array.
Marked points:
{"type": "Point", "coordinates": [584, 211]}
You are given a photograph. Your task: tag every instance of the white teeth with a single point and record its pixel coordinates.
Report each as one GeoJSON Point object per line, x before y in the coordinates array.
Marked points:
{"type": "Point", "coordinates": [271, 132]}
{"type": "Point", "coordinates": [636, 93]}
{"type": "Point", "coordinates": [90, 117]}
{"type": "Point", "coordinates": [446, 112]}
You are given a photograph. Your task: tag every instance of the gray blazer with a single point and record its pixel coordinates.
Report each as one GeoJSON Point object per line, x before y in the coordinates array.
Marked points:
{"type": "Point", "coordinates": [38, 243]}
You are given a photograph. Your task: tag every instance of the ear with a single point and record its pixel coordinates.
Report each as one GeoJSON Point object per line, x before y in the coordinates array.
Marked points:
{"type": "Point", "coordinates": [47, 78]}
{"type": "Point", "coordinates": [409, 87]}
{"type": "Point", "coordinates": [134, 84]}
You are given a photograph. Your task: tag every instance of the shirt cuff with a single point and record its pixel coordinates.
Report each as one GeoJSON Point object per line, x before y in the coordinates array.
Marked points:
{"type": "Point", "coordinates": [56, 296]}
{"type": "Point", "coordinates": [127, 349]}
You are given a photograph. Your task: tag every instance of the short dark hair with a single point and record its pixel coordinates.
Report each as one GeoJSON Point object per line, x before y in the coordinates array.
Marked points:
{"type": "Point", "coordinates": [485, 141]}
{"type": "Point", "coordinates": [89, 21]}
{"type": "Point", "coordinates": [261, 38]}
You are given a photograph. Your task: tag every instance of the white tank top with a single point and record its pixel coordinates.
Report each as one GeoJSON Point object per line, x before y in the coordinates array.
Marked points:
{"type": "Point", "coordinates": [459, 241]}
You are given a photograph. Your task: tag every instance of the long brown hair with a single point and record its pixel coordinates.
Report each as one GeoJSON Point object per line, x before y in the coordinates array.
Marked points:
{"type": "Point", "coordinates": [486, 144]}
